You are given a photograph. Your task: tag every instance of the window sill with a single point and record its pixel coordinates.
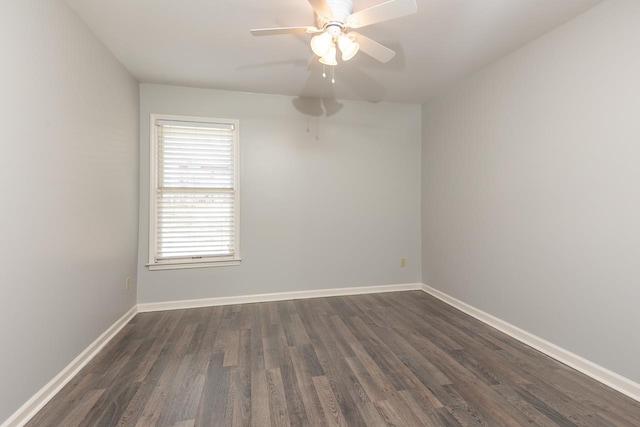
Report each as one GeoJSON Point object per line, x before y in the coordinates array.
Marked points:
{"type": "Point", "coordinates": [182, 265]}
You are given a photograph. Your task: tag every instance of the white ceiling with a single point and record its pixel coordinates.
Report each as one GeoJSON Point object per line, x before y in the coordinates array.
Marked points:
{"type": "Point", "coordinates": [206, 43]}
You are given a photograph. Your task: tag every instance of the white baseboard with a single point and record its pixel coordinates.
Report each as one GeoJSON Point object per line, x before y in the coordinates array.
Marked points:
{"type": "Point", "coordinates": [281, 296]}
{"type": "Point", "coordinates": [595, 371]}
{"type": "Point", "coordinates": [46, 393]}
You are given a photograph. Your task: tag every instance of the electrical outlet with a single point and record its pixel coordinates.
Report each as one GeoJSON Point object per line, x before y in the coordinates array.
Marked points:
{"type": "Point", "coordinates": [127, 283]}
{"type": "Point", "coordinates": [403, 262]}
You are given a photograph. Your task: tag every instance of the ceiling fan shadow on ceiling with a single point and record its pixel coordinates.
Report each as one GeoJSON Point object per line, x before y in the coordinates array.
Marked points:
{"type": "Point", "coordinates": [317, 107]}
{"type": "Point", "coordinates": [334, 21]}
{"type": "Point", "coordinates": [310, 103]}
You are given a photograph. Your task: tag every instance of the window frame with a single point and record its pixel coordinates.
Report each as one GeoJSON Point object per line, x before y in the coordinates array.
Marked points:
{"type": "Point", "coordinates": [170, 264]}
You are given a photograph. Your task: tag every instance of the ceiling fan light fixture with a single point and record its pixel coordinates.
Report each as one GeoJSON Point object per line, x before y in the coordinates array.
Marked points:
{"type": "Point", "coordinates": [330, 57]}
{"type": "Point", "coordinates": [348, 47]}
{"type": "Point", "coordinates": [334, 20]}
{"type": "Point", "coordinates": [321, 44]}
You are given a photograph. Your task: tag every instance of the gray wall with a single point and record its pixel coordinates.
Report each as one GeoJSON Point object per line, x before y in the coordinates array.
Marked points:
{"type": "Point", "coordinates": [68, 179]}
{"type": "Point", "coordinates": [336, 211]}
{"type": "Point", "coordinates": [531, 188]}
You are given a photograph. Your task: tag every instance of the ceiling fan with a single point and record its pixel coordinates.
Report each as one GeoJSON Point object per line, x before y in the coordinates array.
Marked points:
{"type": "Point", "coordinates": [335, 19]}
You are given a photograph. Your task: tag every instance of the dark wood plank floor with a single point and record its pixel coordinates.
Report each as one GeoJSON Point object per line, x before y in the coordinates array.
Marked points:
{"type": "Point", "coordinates": [402, 359]}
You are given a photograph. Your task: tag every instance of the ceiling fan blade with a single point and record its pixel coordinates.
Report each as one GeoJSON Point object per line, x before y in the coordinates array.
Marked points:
{"type": "Point", "coordinates": [283, 30]}
{"type": "Point", "coordinates": [373, 48]}
{"type": "Point", "coordinates": [382, 12]}
{"type": "Point", "coordinates": [322, 9]}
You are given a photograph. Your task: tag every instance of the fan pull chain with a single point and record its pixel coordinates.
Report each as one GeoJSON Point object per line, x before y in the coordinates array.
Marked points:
{"type": "Point", "coordinates": [333, 73]}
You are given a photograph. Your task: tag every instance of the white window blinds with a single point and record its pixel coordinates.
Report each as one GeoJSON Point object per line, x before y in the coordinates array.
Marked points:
{"type": "Point", "coordinates": [195, 193]}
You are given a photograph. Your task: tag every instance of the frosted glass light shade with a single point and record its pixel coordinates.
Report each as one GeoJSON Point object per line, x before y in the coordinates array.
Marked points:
{"type": "Point", "coordinates": [321, 44]}
{"type": "Point", "coordinates": [348, 47]}
{"type": "Point", "coordinates": [330, 57]}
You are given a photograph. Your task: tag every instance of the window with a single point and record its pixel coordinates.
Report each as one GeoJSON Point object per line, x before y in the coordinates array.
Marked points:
{"type": "Point", "coordinates": [194, 201]}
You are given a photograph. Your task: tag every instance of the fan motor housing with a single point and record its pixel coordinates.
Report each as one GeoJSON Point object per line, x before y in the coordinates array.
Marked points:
{"type": "Point", "coordinates": [334, 28]}
{"type": "Point", "coordinates": [341, 10]}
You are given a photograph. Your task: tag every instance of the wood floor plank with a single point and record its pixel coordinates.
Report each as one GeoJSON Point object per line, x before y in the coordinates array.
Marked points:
{"type": "Point", "coordinates": [66, 400]}
{"type": "Point", "coordinates": [107, 411]}
{"type": "Point", "coordinates": [300, 336]}
{"type": "Point", "coordinates": [311, 360]}
{"type": "Point", "coordinates": [374, 389]}
{"type": "Point", "coordinates": [242, 412]}
{"type": "Point", "coordinates": [310, 399]}
{"type": "Point", "coordinates": [474, 393]}
{"type": "Point", "coordinates": [559, 402]}
{"type": "Point", "coordinates": [335, 367]}
{"type": "Point", "coordinates": [362, 382]}
{"type": "Point", "coordinates": [330, 406]}
{"type": "Point", "coordinates": [231, 348]}
{"type": "Point", "coordinates": [214, 408]}
{"type": "Point", "coordinates": [424, 412]}
{"type": "Point", "coordinates": [257, 349]}
{"type": "Point", "coordinates": [397, 413]}
{"type": "Point", "coordinates": [145, 365]}
{"type": "Point", "coordinates": [185, 391]}
{"type": "Point", "coordinates": [277, 402]}
{"type": "Point", "coordinates": [403, 348]}
{"type": "Point", "coordinates": [260, 412]}
{"type": "Point", "coordinates": [293, 394]}
{"type": "Point", "coordinates": [403, 358]}
{"type": "Point", "coordinates": [445, 418]}
{"type": "Point", "coordinates": [155, 412]}
{"type": "Point", "coordinates": [543, 408]}
{"type": "Point", "coordinates": [82, 407]}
